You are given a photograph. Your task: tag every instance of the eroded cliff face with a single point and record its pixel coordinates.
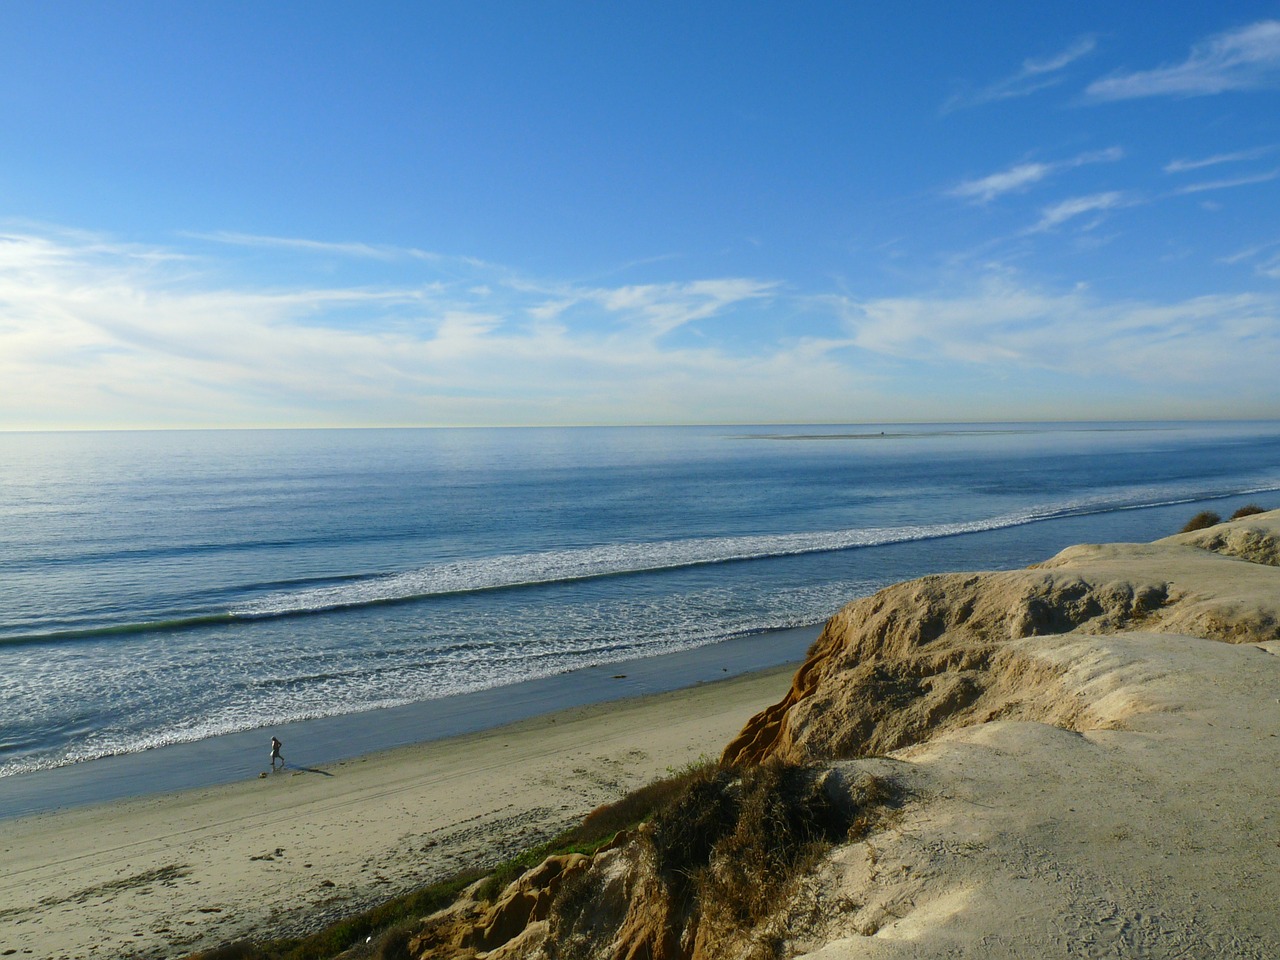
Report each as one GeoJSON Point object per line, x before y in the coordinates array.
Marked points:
{"type": "Point", "coordinates": [927, 656]}
{"type": "Point", "coordinates": [896, 669]}
{"type": "Point", "coordinates": [701, 879]}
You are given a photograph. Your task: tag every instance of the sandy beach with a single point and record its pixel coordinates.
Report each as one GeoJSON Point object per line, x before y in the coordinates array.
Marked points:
{"type": "Point", "coordinates": [165, 875]}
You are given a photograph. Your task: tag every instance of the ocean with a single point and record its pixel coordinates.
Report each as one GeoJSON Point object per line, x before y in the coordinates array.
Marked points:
{"type": "Point", "coordinates": [168, 587]}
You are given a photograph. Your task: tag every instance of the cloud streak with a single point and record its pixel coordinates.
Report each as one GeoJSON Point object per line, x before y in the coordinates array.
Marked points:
{"type": "Point", "coordinates": [1024, 175]}
{"type": "Point", "coordinates": [1229, 183]}
{"type": "Point", "coordinates": [1243, 59]}
{"type": "Point", "coordinates": [1240, 156]}
{"type": "Point", "coordinates": [1060, 213]}
{"type": "Point", "coordinates": [1034, 75]}
{"type": "Point", "coordinates": [1002, 324]}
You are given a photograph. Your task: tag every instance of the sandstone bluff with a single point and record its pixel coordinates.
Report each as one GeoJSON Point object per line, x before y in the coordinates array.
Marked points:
{"type": "Point", "coordinates": [1078, 759]}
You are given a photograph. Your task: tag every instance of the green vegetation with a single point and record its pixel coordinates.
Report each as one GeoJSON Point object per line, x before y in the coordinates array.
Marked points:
{"type": "Point", "coordinates": [1205, 518]}
{"type": "Point", "coordinates": [334, 939]}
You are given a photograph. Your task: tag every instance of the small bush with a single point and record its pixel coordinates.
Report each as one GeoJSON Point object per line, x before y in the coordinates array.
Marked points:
{"type": "Point", "coordinates": [598, 828]}
{"type": "Point", "coordinates": [1248, 510]}
{"type": "Point", "coordinates": [1205, 518]}
{"type": "Point", "coordinates": [394, 944]}
{"type": "Point", "coordinates": [730, 847]}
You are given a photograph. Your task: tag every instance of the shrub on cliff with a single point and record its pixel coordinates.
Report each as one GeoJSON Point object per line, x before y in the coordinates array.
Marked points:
{"type": "Point", "coordinates": [1205, 518]}
{"type": "Point", "coordinates": [734, 840]}
{"type": "Point", "coordinates": [724, 854]}
{"type": "Point", "coordinates": [1247, 511]}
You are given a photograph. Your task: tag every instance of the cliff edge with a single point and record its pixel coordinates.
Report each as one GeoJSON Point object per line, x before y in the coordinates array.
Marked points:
{"type": "Point", "coordinates": [1076, 759]}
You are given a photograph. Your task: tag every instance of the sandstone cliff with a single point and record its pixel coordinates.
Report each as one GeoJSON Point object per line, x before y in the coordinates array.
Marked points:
{"type": "Point", "coordinates": [1076, 759]}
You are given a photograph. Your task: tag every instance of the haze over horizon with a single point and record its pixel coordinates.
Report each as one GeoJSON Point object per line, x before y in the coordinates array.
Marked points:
{"type": "Point", "coordinates": [574, 213]}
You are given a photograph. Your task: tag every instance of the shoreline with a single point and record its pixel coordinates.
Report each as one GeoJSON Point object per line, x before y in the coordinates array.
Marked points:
{"type": "Point", "coordinates": [312, 743]}
{"type": "Point", "coordinates": [163, 875]}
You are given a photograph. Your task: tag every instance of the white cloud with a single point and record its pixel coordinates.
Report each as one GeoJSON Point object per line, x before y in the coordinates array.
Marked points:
{"type": "Point", "coordinates": [986, 189]}
{"type": "Point", "coordinates": [1182, 166]}
{"type": "Point", "coordinates": [1078, 48]}
{"type": "Point", "coordinates": [1032, 76]}
{"type": "Point", "coordinates": [361, 250]}
{"type": "Point", "coordinates": [1060, 213]}
{"type": "Point", "coordinates": [1229, 182]}
{"type": "Point", "coordinates": [1266, 262]}
{"type": "Point", "coordinates": [356, 250]}
{"type": "Point", "coordinates": [1023, 175]}
{"type": "Point", "coordinates": [99, 334]}
{"type": "Point", "coordinates": [1003, 324]}
{"type": "Point", "coordinates": [1244, 59]}
{"type": "Point", "coordinates": [92, 334]}
{"type": "Point", "coordinates": [666, 307]}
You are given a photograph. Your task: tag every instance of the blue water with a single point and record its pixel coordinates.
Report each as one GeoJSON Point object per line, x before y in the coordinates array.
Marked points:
{"type": "Point", "coordinates": [165, 587]}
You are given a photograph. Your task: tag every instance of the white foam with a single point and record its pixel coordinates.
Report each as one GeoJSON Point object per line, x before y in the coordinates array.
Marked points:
{"type": "Point", "coordinates": [553, 566]}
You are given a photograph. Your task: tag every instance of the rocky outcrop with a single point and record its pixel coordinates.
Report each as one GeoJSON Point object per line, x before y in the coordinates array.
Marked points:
{"type": "Point", "coordinates": [927, 656]}
{"type": "Point", "coordinates": [510, 926]}
{"type": "Point", "coordinates": [1248, 539]}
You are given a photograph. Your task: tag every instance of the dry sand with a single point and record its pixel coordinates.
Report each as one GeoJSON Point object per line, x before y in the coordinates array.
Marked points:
{"type": "Point", "coordinates": [166, 875]}
{"type": "Point", "coordinates": [1155, 834]}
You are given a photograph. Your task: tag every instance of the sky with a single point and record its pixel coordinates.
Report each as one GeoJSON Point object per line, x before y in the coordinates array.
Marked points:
{"type": "Point", "coordinates": [481, 213]}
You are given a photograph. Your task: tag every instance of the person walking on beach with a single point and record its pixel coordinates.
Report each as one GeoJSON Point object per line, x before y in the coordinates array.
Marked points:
{"type": "Point", "coordinates": [275, 753]}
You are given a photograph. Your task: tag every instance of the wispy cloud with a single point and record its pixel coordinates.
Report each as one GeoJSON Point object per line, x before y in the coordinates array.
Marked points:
{"type": "Point", "coordinates": [1016, 178]}
{"type": "Point", "coordinates": [1035, 74]}
{"type": "Point", "coordinates": [1266, 260]}
{"type": "Point", "coordinates": [1227, 184]}
{"type": "Point", "coordinates": [362, 250]}
{"type": "Point", "coordinates": [1023, 175]}
{"type": "Point", "coordinates": [93, 334]}
{"type": "Point", "coordinates": [1060, 213]}
{"type": "Point", "coordinates": [1270, 268]}
{"type": "Point", "coordinates": [1243, 59]}
{"type": "Point", "coordinates": [1240, 156]}
{"type": "Point", "coordinates": [1003, 324]}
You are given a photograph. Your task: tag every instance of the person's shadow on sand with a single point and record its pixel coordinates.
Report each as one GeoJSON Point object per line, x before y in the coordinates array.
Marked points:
{"type": "Point", "coordinates": [295, 771]}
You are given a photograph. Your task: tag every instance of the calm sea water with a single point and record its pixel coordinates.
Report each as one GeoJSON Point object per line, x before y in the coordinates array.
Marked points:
{"type": "Point", "coordinates": [171, 586]}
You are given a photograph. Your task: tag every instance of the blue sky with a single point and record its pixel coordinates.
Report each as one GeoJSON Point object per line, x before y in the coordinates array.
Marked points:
{"type": "Point", "coordinates": [286, 214]}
